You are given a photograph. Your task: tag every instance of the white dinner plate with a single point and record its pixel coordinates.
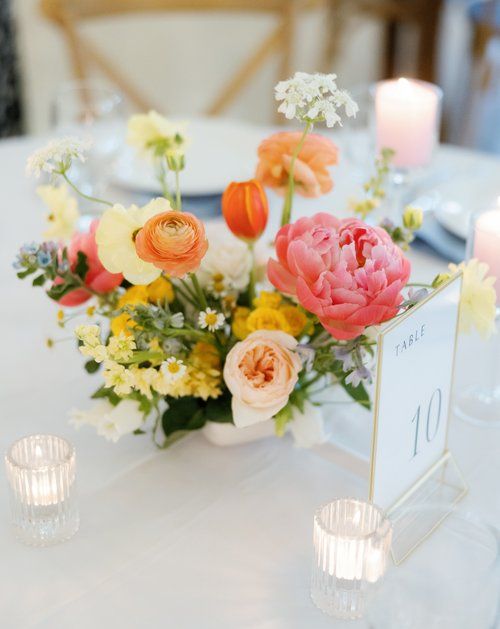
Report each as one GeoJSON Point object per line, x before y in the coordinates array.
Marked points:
{"type": "Point", "coordinates": [220, 151]}
{"type": "Point", "coordinates": [462, 195]}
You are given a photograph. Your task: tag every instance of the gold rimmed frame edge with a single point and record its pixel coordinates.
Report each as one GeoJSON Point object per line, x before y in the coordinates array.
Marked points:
{"type": "Point", "coordinates": [442, 484]}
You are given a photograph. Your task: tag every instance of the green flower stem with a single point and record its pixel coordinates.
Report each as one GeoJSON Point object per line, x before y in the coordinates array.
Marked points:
{"type": "Point", "coordinates": [141, 357]}
{"type": "Point", "coordinates": [307, 384]}
{"type": "Point", "coordinates": [251, 284]}
{"type": "Point", "coordinates": [286, 214]}
{"type": "Point", "coordinates": [162, 178]}
{"type": "Point", "coordinates": [82, 194]}
{"type": "Point", "coordinates": [419, 285]}
{"type": "Point", "coordinates": [186, 294]}
{"type": "Point", "coordinates": [199, 292]}
{"type": "Point", "coordinates": [178, 200]}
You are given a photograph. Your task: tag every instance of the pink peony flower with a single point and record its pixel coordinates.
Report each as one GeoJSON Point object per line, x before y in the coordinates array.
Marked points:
{"type": "Point", "coordinates": [261, 372]}
{"type": "Point", "coordinates": [346, 272]}
{"type": "Point", "coordinates": [97, 278]}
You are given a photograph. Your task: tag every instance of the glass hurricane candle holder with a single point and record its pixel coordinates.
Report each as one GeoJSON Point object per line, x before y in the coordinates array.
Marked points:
{"type": "Point", "coordinates": [41, 475]}
{"type": "Point", "coordinates": [352, 540]}
{"type": "Point", "coordinates": [479, 402]}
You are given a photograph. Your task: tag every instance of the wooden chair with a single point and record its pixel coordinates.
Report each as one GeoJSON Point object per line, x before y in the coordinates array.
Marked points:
{"type": "Point", "coordinates": [421, 14]}
{"type": "Point", "coordinates": [68, 14]}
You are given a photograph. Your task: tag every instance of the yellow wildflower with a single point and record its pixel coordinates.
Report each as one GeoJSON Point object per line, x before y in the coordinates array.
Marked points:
{"type": "Point", "coordinates": [90, 311]}
{"type": "Point", "coordinates": [413, 217]}
{"type": "Point", "coordinates": [63, 212]}
{"type": "Point", "coordinates": [60, 315]}
{"type": "Point", "coordinates": [267, 299]}
{"type": "Point", "coordinates": [143, 379]}
{"type": "Point", "coordinates": [296, 319]}
{"type": "Point", "coordinates": [117, 377]}
{"type": "Point", "coordinates": [478, 299]}
{"type": "Point", "coordinates": [267, 319]}
{"type": "Point", "coordinates": [159, 290]}
{"type": "Point", "coordinates": [121, 347]}
{"type": "Point", "coordinates": [204, 354]}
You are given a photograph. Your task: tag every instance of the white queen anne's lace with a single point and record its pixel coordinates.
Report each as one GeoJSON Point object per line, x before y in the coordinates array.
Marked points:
{"type": "Point", "coordinates": [57, 155]}
{"type": "Point", "coordinates": [314, 98]}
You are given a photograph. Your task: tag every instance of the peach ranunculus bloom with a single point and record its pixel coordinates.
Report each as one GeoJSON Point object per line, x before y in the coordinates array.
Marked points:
{"type": "Point", "coordinates": [261, 372]}
{"type": "Point", "coordinates": [346, 272]}
{"type": "Point", "coordinates": [311, 175]}
{"type": "Point", "coordinates": [172, 241]}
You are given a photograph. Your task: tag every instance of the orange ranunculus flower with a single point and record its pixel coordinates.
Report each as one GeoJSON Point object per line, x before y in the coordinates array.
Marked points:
{"type": "Point", "coordinates": [245, 209]}
{"type": "Point", "coordinates": [172, 241]}
{"type": "Point", "coordinates": [311, 175]}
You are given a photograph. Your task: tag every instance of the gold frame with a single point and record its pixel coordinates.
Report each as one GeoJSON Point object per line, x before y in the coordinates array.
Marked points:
{"type": "Point", "coordinates": [446, 454]}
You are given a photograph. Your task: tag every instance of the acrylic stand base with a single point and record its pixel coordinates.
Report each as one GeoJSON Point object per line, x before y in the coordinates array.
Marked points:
{"type": "Point", "coordinates": [442, 486]}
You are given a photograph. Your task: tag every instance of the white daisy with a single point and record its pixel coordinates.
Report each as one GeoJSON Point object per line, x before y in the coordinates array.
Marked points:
{"type": "Point", "coordinates": [211, 319]}
{"type": "Point", "coordinates": [56, 156]}
{"type": "Point", "coordinates": [173, 368]}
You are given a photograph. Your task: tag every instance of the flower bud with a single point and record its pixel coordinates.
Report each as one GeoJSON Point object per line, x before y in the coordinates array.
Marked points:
{"type": "Point", "coordinates": [245, 209]}
{"type": "Point", "coordinates": [441, 278]}
{"type": "Point", "coordinates": [413, 217]}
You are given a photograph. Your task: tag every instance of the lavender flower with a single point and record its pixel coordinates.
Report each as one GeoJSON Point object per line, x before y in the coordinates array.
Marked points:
{"type": "Point", "coordinates": [306, 354]}
{"type": "Point", "coordinates": [359, 375]}
{"type": "Point", "coordinates": [344, 354]}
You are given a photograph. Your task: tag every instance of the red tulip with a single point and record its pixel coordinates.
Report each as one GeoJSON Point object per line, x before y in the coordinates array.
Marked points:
{"type": "Point", "coordinates": [245, 209]}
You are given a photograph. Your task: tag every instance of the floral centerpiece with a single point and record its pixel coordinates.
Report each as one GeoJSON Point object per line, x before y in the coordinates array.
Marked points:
{"type": "Point", "coordinates": [178, 320]}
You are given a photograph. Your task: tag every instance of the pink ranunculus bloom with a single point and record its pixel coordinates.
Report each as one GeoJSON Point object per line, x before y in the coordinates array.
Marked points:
{"type": "Point", "coordinates": [351, 278]}
{"type": "Point", "coordinates": [97, 278]}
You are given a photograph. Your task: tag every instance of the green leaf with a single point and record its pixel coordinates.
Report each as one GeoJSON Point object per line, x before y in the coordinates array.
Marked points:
{"type": "Point", "coordinates": [358, 394]}
{"type": "Point", "coordinates": [39, 280]}
{"type": "Point", "coordinates": [185, 413]}
{"type": "Point", "coordinates": [57, 291]}
{"type": "Point", "coordinates": [91, 366]}
{"type": "Point", "coordinates": [107, 394]}
{"type": "Point", "coordinates": [281, 419]}
{"type": "Point", "coordinates": [219, 409]}
{"type": "Point", "coordinates": [22, 274]}
{"type": "Point", "coordinates": [82, 266]}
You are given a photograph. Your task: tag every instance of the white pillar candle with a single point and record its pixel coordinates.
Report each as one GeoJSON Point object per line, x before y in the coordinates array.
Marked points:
{"type": "Point", "coordinates": [407, 120]}
{"type": "Point", "coordinates": [487, 242]}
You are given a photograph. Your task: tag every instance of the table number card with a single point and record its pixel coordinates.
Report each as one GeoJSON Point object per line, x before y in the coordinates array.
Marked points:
{"type": "Point", "coordinates": [414, 377]}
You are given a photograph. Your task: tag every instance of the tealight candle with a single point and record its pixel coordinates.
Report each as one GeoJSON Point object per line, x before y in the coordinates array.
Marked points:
{"type": "Point", "coordinates": [352, 540]}
{"type": "Point", "coordinates": [407, 119]}
{"type": "Point", "coordinates": [487, 242]}
{"type": "Point", "coordinates": [41, 475]}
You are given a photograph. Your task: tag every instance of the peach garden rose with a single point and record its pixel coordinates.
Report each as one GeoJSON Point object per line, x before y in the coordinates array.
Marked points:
{"type": "Point", "coordinates": [172, 241]}
{"type": "Point", "coordinates": [261, 372]}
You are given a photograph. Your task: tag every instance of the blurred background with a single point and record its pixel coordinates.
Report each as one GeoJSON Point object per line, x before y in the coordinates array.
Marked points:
{"type": "Point", "coordinates": [222, 57]}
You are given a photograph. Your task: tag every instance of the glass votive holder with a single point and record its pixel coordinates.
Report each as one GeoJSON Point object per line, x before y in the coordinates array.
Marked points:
{"type": "Point", "coordinates": [352, 540]}
{"type": "Point", "coordinates": [41, 475]}
{"type": "Point", "coordinates": [478, 401]}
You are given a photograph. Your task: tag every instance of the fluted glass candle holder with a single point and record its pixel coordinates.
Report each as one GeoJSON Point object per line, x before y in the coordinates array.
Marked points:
{"type": "Point", "coordinates": [41, 475]}
{"type": "Point", "coordinates": [352, 540]}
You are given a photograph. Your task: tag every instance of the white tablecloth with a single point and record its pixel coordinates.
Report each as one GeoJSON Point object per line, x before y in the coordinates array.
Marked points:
{"type": "Point", "coordinates": [192, 537]}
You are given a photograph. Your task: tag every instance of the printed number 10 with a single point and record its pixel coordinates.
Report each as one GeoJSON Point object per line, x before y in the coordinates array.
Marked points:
{"type": "Point", "coordinates": [432, 424]}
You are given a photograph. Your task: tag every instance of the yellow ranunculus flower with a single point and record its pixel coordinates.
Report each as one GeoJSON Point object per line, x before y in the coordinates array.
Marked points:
{"type": "Point", "coordinates": [160, 290]}
{"type": "Point", "coordinates": [239, 325]}
{"type": "Point", "coordinates": [296, 319]}
{"type": "Point", "coordinates": [478, 299]}
{"type": "Point", "coordinates": [266, 299]}
{"type": "Point", "coordinates": [267, 319]}
{"type": "Point", "coordinates": [133, 295]}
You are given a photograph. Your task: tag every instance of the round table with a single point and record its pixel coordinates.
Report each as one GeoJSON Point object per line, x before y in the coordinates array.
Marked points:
{"type": "Point", "coordinates": [194, 536]}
